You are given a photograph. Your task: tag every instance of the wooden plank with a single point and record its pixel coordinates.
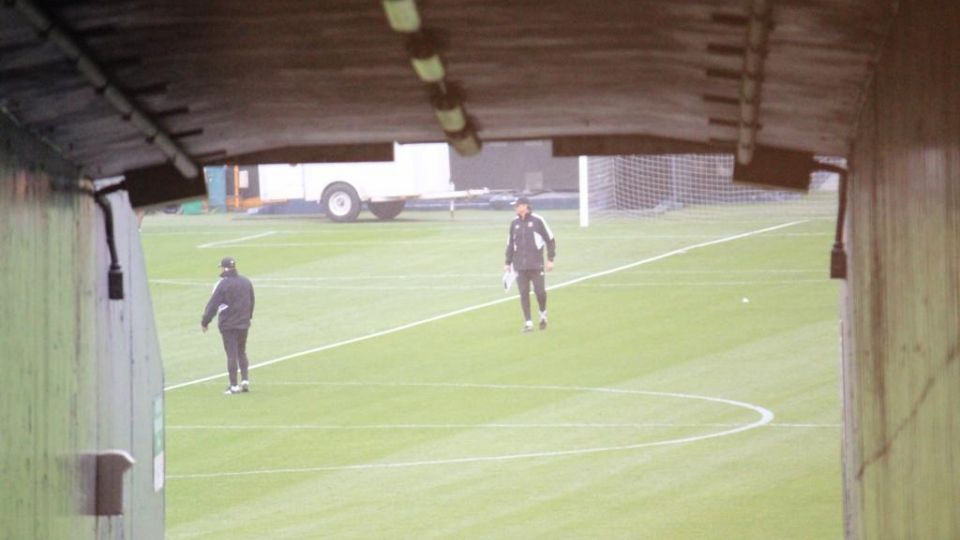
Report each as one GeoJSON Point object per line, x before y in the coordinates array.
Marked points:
{"type": "Point", "coordinates": [615, 145]}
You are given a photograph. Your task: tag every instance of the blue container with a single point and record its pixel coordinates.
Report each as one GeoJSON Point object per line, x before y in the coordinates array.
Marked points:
{"type": "Point", "coordinates": [216, 187]}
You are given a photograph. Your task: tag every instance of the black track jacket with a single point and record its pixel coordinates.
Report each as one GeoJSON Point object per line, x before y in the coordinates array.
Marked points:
{"type": "Point", "coordinates": [527, 237]}
{"type": "Point", "coordinates": [232, 302]}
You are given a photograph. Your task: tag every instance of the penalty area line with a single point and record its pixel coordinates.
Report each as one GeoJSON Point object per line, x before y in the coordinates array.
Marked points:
{"type": "Point", "coordinates": [386, 427]}
{"type": "Point", "coordinates": [235, 240]}
{"type": "Point", "coordinates": [454, 313]}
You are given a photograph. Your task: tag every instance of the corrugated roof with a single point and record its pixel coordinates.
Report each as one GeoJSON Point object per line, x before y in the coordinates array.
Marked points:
{"type": "Point", "coordinates": [227, 78]}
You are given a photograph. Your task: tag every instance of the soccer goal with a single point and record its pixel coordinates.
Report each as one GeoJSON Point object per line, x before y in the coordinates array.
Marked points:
{"type": "Point", "coordinates": [692, 187]}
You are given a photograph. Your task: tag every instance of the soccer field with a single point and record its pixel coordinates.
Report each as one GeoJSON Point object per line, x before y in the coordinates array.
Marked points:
{"type": "Point", "coordinates": [687, 386]}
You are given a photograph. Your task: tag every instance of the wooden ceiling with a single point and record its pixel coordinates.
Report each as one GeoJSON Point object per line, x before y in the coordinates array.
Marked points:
{"type": "Point", "coordinates": [232, 78]}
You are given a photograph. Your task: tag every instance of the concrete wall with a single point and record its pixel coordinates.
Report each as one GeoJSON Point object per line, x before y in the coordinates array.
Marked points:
{"type": "Point", "coordinates": [129, 379]}
{"type": "Point", "coordinates": [902, 355]}
{"type": "Point", "coordinates": [78, 373]}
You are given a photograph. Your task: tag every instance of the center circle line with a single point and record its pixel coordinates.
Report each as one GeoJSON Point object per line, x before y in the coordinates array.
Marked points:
{"type": "Point", "coordinates": [766, 416]}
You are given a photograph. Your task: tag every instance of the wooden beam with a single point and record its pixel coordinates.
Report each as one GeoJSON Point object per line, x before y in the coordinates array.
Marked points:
{"type": "Point", "coordinates": [776, 168]}
{"type": "Point", "coordinates": [344, 153]}
{"type": "Point", "coordinates": [619, 145]}
{"type": "Point", "coordinates": [162, 184]}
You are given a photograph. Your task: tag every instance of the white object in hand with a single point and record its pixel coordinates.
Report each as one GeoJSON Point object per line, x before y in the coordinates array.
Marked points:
{"type": "Point", "coordinates": [509, 276]}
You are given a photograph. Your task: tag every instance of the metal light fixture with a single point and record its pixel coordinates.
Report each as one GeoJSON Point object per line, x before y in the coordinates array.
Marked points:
{"type": "Point", "coordinates": [402, 15]}
{"type": "Point", "coordinates": [465, 142]}
{"type": "Point", "coordinates": [421, 46]}
{"type": "Point", "coordinates": [449, 112]}
{"type": "Point", "coordinates": [425, 59]}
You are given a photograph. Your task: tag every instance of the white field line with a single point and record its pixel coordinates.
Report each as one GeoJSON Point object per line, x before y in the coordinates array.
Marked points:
{"type": "Point", "coordinates": [476, 307]}
{"type": "Point", "coordinates": [581, 236]}
{"type": "Point", "coordinates": [573, 236]}
{"type": "Point", "coordinates": [312, 229]}
{"type": "Point", "coordinates": [488, 276]}
{"type": "Point", "coordinates": [340, 287]}
{"type": "Point", "coordinates": [765, 418]}
{"type": "Point", "coordinates": [232, 230]}
{"type": "Point", "coordinates": [688, 220]}
{"type": "Point", "coordinates": [487, 285]}
{"type": "Point", "coordinates": [375, 427]}
{"type": "Point", "coordinates": [491, 276]}
{"type": "Point", "coordinates": [795, 425]}
{"type": "Point", "coordinates": [432, 241]}
{"type": "Point", "coordinates": [703, 283]}
{"type": "Point", "coordinates": [425, 242]}
{"type": "Point", "coordinates": [491, 240]}
{"type": "Point", "coordinates": [185, 233]}
{"type": "Point", "coordinates": [235, 240]}
{"type": "Point", "coordinates": [680, 251]}
{"type": "Point", "coordinates": [736, 271]}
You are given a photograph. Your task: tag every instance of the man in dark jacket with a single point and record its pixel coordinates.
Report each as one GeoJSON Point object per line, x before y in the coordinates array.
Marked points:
{"type": "Point", "coordinates": [232, 303]}
{"type": "Point", "coordinates": [529, 234]}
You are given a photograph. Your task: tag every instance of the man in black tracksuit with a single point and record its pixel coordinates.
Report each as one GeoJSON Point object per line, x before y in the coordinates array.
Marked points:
{"type": "Point", "coordinates": [232, 303]}
{"type": "Point", "coordinates": [529, 234]}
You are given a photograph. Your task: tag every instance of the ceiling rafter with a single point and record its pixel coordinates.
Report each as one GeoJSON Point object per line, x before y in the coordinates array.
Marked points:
{"type": "Point", "coordinates": [96, 76]}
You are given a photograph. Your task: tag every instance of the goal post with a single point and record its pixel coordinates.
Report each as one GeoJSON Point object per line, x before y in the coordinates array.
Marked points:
{"type": "Point", "coordinates": [584, 191]}
{"type": "Point", "coordinates": [691, 187]}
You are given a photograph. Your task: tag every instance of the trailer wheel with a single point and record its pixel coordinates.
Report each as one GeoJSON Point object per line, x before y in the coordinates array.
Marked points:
{"type": "Point", "coordinates": [386, 209]}
{"type": "Point", "coordinates": [341, 202]}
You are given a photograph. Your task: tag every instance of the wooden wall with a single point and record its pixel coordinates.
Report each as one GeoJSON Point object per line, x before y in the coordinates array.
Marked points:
{"type": "Point", "coordinates": [78, 372]}
{"type": "Point", "coordinates": [47, 345]}
{"type": "Point", "coordinates": [902, 356]}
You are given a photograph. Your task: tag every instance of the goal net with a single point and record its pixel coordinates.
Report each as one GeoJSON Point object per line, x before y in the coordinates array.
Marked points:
{"type": "Point", "coordinates": [693, 187]}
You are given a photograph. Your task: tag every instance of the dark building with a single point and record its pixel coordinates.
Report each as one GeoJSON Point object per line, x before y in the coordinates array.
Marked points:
{"type": "Point", "coordinates": [519, 165]}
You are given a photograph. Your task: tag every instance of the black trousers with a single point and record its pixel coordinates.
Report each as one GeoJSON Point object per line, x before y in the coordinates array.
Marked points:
{"type": "Point", "coordinates": [235, 344]}
{"type": "Point", "coordinates": [524, 278]}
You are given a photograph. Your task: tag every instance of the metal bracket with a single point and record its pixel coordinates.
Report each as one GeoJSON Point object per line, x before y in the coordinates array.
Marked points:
{"type": "Point", "coordinates": [111, 464]}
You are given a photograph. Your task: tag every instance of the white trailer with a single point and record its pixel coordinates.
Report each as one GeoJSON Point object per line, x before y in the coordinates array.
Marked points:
{"type": "Point", "coordinates": [418, 171]}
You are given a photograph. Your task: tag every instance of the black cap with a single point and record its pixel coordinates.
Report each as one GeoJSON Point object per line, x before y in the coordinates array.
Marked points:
{"type": "Point", "coordinates": [228, 262]}
{"type": "Point", "coordinates": [521, 200]}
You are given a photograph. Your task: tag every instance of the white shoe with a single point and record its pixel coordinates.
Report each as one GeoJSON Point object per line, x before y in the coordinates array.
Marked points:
{"type": "Point", "coordinates": [528, 326]}
{"type": "Point", "coordinates": [244, 386]}
{"type": "Point", "coordinates": [232, 390]}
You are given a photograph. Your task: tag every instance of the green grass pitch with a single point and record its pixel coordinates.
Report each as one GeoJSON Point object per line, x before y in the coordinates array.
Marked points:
{"type": "Point", "coordinates": [401, 400]}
